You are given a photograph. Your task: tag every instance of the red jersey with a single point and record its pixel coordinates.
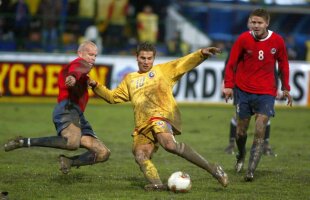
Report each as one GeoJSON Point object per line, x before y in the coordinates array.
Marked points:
{"type": "Point", "coordinates": [252, 64]}
{"type": "Point", "coordinates": [78, 94]}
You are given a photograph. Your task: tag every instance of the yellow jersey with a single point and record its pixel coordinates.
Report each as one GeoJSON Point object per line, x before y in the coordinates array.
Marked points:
{"type": "Point", "coordinates": [151, 93]}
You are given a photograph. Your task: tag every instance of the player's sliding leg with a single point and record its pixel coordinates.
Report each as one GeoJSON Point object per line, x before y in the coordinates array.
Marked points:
{"type": "Point", "coordinates": [98, 152]}
{"type": "Point", "coordinates": [257, 146]}
{"type": "Point", "coordinates": [66, 163]}
{"type": "Point", "coordinates": [232, 136]}
{"type": "Point", "coordinates": [69, 140]}
{"type": "Point", "coordinates": [241, 138]}
{"type": "Point", "coordinates": [168, 142]}
{"type": "Point", "coordinates": [53, 141]}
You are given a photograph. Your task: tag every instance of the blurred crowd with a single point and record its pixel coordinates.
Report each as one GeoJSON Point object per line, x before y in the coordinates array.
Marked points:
{"type": "Point", "coordinates": [116, 26]}
{"type": "Point", "coordinates": [60, 25]}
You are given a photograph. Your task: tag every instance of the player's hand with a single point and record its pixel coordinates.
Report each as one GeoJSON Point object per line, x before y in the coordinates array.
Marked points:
{"type": "Point", "coordinates": [211, 51]}
{"type": "Point", "coordinates": [279, 95]}
{"type": "Point", "coordinates": [92, 83]}
{"type": "Point", "coordinates": [70, 81]}
{"type": "Point", "coordinates": [228, 93]}
{"type": "Point", "coordinates": [287, 95]}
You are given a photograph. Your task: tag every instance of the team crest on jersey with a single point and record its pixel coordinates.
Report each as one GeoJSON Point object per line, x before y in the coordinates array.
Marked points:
{"type": "Point", "coordinates": [273, 51]}
{"type": "Point", "coordinates": [151, 74]}
{"type": "Point", "coordinates": [159, 123]}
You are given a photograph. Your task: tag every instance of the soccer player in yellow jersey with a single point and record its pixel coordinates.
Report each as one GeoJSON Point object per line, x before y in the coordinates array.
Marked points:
{"type": "Point", "coordinates": [157, 117]}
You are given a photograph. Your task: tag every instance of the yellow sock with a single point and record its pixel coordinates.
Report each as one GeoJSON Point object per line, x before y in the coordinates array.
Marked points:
{"type": "Point", "coordinates": [150, 172]}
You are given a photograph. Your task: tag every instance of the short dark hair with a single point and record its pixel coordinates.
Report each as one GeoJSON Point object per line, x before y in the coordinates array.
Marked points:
{"type": "Point", "coordinates": [146, 46]}
{"type": "Point", "coordinates": [260, 12]}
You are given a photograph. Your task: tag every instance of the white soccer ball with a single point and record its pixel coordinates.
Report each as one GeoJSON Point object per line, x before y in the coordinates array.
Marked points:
{"type": "Point", "coordinates": [179, 182]}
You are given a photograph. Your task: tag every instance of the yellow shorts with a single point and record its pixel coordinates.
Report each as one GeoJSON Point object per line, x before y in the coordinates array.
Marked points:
{"type": "Point", "coordinates": [146, 135]}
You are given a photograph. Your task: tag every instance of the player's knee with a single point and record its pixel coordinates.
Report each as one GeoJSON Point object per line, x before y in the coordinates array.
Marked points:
{"type": "Point", "coordinates": [73, 143]}
{"type": "Point", "coordinates": [241, 132]}
{"type": "Point", "coordinates": [73, 139]}
{"type": "Point", "coordinates": [103, 155]}
{"type": "Point", "coordinates": [72, 146]}
{"type": "Point", "coordinates": [170, 146]}
{"type": "Point", "coordinates": [260, 128]}
{"type": "Point", "coordinates": [140, 156]}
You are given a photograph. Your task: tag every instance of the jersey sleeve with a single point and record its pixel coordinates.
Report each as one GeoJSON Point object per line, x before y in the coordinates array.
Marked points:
{"type": "Point", "coordinates": [283, 66]}
{"type": "Point", "coordinates": [177, 68]}
{"type": "Point", "coordinates": [118, 95]}
{"type": "Point", "coordinates": [231, 65]}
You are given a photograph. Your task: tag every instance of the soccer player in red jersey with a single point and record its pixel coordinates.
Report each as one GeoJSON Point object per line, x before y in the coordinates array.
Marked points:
{"type": "Point", "coordinates": [251, 70]}
{"type": "Point", "coordinates": [74, 131]}
{"type": "Point", "coordinates": [233, 124]}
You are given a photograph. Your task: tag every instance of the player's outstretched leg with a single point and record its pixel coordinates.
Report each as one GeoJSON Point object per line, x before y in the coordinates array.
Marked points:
{"type": "Point", "coordinates": [20, 142]}
{"type": "Point", "coordinates": [232, 136]}
{"type": "Point", "coordinates": [240, 141]}
{"type": "Point", "coordinates": [192, 156]}
{"type": "Point", "coordinates": [255, 155]}
{"type": "Point", "coordinates": [87, 158]}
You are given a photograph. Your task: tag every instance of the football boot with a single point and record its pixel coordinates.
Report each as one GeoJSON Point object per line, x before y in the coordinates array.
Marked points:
{"type": "Point", "coordinates": [220, 175]}
{"type": "Point", "coordinates": [65, 164]}
{"type": "Point", "coordinates": [4, 196]}
{"type": "Point", "coordinates": [268, 150]}
{"type": "Point", "coordinates": [156, 187]}
{"type": "Point", "coordinates": [249, 176]}
{"type": "Point", "coordinates": [230, 148]}
{"type": "Point", "coordinates": [14, 144]}
{"type": "Point", "coordinates": [239, 164]}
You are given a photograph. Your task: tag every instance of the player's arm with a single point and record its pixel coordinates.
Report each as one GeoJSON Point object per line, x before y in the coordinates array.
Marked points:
{"type": "Point", "coordinates": [283, 67]}
{"type": "Point", "coordinates": [118, 95]}
{"type": "Point", "coordinates": [230, 69]}
{"type": "Point", "coordinates": [180, 66]}
{"type": "Point", "coordinates": [75, 72]}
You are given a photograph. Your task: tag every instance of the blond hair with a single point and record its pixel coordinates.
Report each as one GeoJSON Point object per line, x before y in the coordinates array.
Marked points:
{"type": "Point", "coordinates": [84, 45]}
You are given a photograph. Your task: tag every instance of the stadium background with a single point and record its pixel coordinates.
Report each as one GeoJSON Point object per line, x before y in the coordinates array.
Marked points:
{"type": "Point", "coordinates": [30, 75]}
{"type": "Point", "coordinates": [29, 66]}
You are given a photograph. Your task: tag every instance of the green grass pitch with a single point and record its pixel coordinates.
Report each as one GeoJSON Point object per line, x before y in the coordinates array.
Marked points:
{"type": "Point", "coordinates": [32, 173]}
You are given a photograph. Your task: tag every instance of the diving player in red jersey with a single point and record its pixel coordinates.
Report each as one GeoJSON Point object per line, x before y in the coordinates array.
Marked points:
{"type": "Point", "coordinates": [74, 131]}
{"type": "Point", "coordinates": [251, 69]}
